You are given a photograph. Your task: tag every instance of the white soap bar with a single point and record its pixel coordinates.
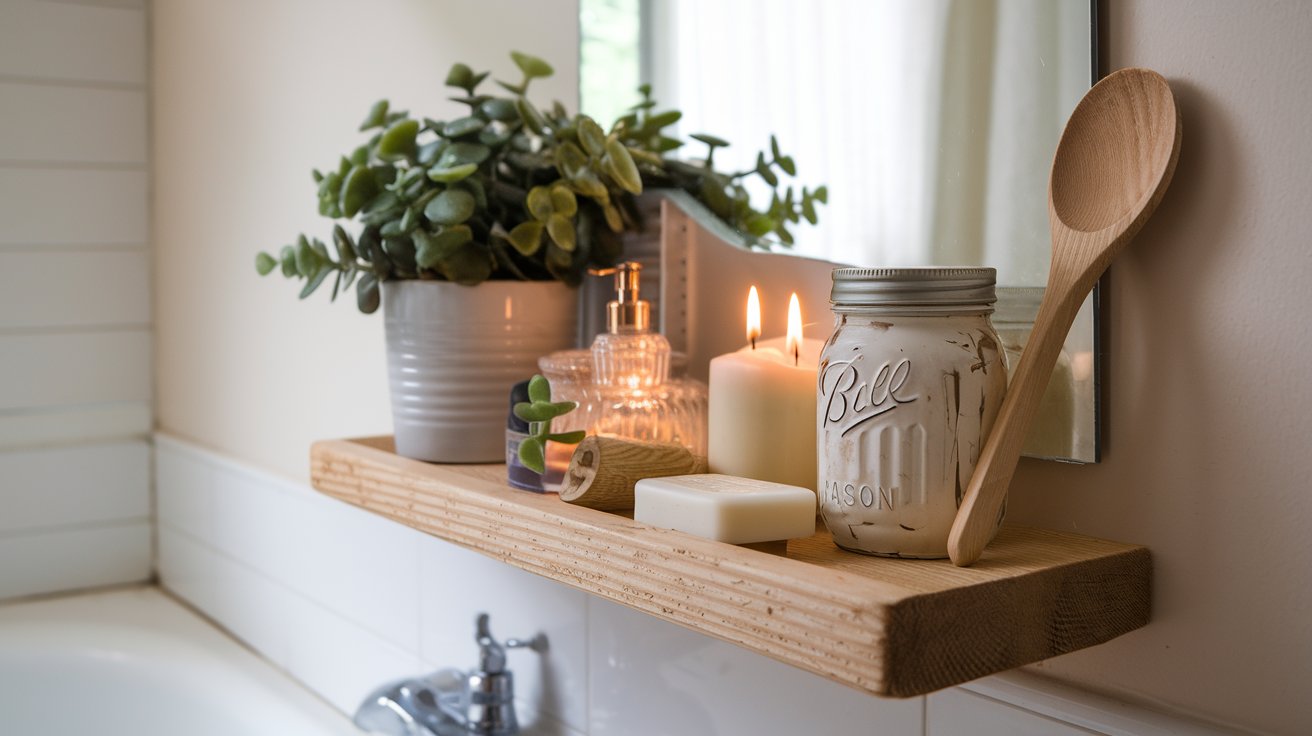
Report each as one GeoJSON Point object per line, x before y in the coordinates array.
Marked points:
{"type": "Point", "coordinates": [726, 508]}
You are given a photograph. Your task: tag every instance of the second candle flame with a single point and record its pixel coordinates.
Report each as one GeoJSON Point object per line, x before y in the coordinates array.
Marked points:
{"type": "Point", "coordinates": [793, 342]}
{"type": "Point", "coordinates": [753, 317]}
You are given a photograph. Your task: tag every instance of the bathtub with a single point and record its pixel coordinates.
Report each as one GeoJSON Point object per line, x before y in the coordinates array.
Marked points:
{"type": "Point", "coordinates": [134, 661]}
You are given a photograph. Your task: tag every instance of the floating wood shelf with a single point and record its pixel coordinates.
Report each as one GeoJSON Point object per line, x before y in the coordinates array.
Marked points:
{"type": "Point", "coordinates": [890, 627]}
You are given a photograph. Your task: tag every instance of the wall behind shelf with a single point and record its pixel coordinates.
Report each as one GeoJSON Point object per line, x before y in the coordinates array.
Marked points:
{"type": "Point", "coordinates": [1207, 421]}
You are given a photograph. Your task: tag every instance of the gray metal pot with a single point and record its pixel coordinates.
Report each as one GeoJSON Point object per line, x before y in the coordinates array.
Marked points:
{"type": "Point", "coordinates": [453, 352]}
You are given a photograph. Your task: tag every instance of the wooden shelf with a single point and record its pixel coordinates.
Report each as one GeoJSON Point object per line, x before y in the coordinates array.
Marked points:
{"type": "Point", "coordinates": [890, 627]}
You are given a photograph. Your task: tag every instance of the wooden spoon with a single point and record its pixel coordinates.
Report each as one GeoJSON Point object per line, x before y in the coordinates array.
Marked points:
{"type": "Point", "coordinates": [1113, 165]}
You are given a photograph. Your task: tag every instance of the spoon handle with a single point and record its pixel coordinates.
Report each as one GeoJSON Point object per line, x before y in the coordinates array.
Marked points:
{"type": "Point", "coordinates": [977, 517]}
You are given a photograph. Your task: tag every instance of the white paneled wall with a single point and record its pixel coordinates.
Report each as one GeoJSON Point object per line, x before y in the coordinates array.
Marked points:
{"type": "Point", "coordinates": [344, 601]}
{"type": "Point", "coordinates": [75, 304]}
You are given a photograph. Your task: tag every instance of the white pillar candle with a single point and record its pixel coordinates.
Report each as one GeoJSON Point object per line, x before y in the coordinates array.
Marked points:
{"type": "Point", "coordinates": [762, 411]}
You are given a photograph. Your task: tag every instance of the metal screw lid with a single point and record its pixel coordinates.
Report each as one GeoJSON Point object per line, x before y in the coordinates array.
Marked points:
{"type": "Point", "coordinates": [915, 290]}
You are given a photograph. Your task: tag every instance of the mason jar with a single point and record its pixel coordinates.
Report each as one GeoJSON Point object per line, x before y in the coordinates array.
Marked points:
{"type": "Point", "coordinates": [909, 385]}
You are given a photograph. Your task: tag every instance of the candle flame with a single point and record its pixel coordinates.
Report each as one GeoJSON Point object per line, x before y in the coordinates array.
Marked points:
{"type": "Point", "coordinates": [793, 343]}
{"type": "Point", "coordinates": [753, 317]}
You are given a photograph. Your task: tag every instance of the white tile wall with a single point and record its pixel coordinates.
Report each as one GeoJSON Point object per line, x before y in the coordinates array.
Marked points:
{"type": "Point", "coordinates": [67, 486]}
{"type": "Point", "coordinates": [345, 601]}
{"type": "Point", "coordinates": [662, 680]}
{"type": "Point", "coordinates": [34, 42]}
{"type": "Point", "coordinates": [68, 424]}
{"type": "Point", "coordinates": [47, 123]}
{"type": "Point", "coordinates": [74, 289]}
{"type": "Point", "coordinates": [83, 208]}
{"type": "Point", "coordinates": [522, 604]}
{"type": "Point", "coordinates": [45, 561]}
{"type": "Point", "coordinates": [75, 349]}
{"type": "Point", "coordinates": [73, 368]}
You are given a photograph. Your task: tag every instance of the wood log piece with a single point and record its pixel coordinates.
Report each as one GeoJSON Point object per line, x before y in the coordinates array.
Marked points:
{"type": "Point", "coordinates": [603, 471]}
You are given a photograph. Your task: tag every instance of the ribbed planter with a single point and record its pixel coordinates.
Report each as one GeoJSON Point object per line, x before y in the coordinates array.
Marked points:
{"type": "Point", "coordinates": [453, 353]}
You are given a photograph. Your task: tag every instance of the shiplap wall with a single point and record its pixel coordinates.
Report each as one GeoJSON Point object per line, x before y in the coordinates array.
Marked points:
{"type": "Point", "coordinates": [75, 304]}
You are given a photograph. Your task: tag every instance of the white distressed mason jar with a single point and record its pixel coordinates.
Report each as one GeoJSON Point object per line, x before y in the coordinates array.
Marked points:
{"type": "Point", "coordinates": [909, 385]}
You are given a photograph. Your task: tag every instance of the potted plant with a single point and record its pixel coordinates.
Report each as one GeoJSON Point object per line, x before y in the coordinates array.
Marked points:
{"type": "Point", "coordinates": [516, 200]}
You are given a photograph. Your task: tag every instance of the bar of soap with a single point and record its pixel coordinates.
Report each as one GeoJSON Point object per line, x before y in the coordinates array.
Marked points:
{"type": "Point", "coordinates": [726, 508]}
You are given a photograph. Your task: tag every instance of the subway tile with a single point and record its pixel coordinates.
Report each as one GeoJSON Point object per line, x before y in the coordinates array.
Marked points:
{"type": "Point", "coordinates": [70, 369]}
{"type": "Point", "coordinates": [456, 584]}
{"type": "Point", "coordinates": [1027, 702]}
{"type": "Point", "coordinates": [340, 660]}
{"type": "Point", "coordinates": [652, 678]}
{"type": "Point", "coordinates": [74, 485]}
{"type": "Point", "coordinates": [956, 711]}
{"type": "Point", "coordinates": [73, 42]}
{"type": "Point", "coordinates": [337, 658]}
{"type": "Point", "coordinates": [187, 568]}
{"type": "Point", "coordinates": [362, 566]}
{"type": "Point", "coordinates": [44, 426]}
{"type": "Point", "coordinates": [184, 491]}
{"type": "Point", "coordinates": [72, 124]}
{"type": "Point", "coordinates": [240, 599]}
{"type": "Point", "coordinates": [71, 559]}
{"type": "Point", "coordinates": [111, 207]}
{"type": "Point", "coordinates": [250, 523]}
{"type": "Point", "coordinates": [74, 289]}
{"type": "Point", "coordinates": [532, 723]}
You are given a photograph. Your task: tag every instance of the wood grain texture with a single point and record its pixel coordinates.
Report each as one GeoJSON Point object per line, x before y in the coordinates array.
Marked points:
{"type": "Point", "coordinates": [1112, 167]}
{"type": "Point", "coordinates": [890, 627]}
{"type": "Point", "coordinates": [604, 470]}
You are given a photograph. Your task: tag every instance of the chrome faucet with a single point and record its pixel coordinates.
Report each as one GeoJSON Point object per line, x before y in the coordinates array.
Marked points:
{"type": "Point", "coordinates": [451, 702]}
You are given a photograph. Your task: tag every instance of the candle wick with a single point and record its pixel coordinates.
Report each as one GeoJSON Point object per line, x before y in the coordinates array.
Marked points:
{"type": "Point", "coordinates": [753, 342]}
{"type": "Point", "coordinates": [796, 352]}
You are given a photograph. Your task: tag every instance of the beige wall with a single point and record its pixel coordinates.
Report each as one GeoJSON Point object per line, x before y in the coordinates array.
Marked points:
{"type": "Point", "coordinates": [1210, 410]}
{"type": "Point", "coordinates": [1208, 461]}
{"type": "Point", "coordinates": [249, 97]}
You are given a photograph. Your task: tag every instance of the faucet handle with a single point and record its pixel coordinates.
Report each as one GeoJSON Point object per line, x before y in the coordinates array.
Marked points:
{"type": "Point", "coordinates": [492, 654]}
{"type": "Point", "coordinates": [538, 643]}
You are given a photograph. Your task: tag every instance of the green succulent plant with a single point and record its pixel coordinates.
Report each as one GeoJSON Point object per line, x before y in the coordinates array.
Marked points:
{"type": "Point", "coordinates": [539, 411]}
{"type": "Point", "coordinates": [511, 191]}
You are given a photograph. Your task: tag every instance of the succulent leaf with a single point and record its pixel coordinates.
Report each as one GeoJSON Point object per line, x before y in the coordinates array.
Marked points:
{"type": "Point", "coordinates": [591, 135]}
{"type": "Point", "coordinates": [526, 237]}
{"type": "Point", "coordinates": [377, 115]}
{"type": "Point", "coordinates": [532, 66]}
{"type": "Point", "coordinates": [451, 207]}
{"type": "Point", "coordinates": [539, 389]}
{"type": "Point", "coordinates": [398, 141]}
{"type": "Point", "coordinates": [532, 456]}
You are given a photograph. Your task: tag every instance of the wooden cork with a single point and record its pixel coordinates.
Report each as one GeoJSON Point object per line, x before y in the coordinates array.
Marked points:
{"type": "Point", "coordinates": [604, 470]}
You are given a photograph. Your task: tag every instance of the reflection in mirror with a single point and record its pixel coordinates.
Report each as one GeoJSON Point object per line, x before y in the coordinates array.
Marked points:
{"type": "Point", "coordinates": [932, 123]}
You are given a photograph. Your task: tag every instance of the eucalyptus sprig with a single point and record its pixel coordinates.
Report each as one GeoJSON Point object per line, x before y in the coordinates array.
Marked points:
{"type": "Point", "coordinates": [539, 411]}
{"type": "Point", "coordinates": [506, 191]}
{"type": "Point", "coordinates": [513, 191]}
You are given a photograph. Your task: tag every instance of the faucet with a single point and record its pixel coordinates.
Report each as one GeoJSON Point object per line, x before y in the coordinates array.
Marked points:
{"type": "Point", "coordinates": [451, 702]}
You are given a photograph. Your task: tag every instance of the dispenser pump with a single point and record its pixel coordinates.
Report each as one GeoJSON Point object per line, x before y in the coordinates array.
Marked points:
{"type": "Point", "coordinates": [627, 312]}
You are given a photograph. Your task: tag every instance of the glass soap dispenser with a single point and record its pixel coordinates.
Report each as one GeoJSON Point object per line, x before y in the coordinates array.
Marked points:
{"type": "Point", "coordinates": [635, 397]}
{"type": "Point", "coordinates": [628, 355]}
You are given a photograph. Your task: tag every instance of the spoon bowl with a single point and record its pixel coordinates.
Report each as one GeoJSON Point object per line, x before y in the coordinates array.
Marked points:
{"type": "Point", "coordinates": [1113, 164]}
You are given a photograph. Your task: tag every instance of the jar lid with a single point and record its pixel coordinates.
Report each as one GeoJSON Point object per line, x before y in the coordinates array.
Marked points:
{"type": "Point", "coordinates": [915, 290]}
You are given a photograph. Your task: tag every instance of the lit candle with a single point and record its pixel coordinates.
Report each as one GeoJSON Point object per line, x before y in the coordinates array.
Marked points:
{"type": "Point", "coordinates": [762, 404]}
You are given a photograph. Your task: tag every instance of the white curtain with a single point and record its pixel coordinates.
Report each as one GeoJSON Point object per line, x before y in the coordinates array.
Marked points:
{"type": "Point", "coordinates": [933, 122]}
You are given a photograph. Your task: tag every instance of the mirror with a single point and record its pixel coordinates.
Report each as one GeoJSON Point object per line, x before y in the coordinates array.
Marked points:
{"type": "Point", "coordinates": [931, 122]}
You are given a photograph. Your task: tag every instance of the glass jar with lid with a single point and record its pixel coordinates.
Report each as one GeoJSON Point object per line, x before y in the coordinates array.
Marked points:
{"type": "Point", "coordinates": [909, 385]}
